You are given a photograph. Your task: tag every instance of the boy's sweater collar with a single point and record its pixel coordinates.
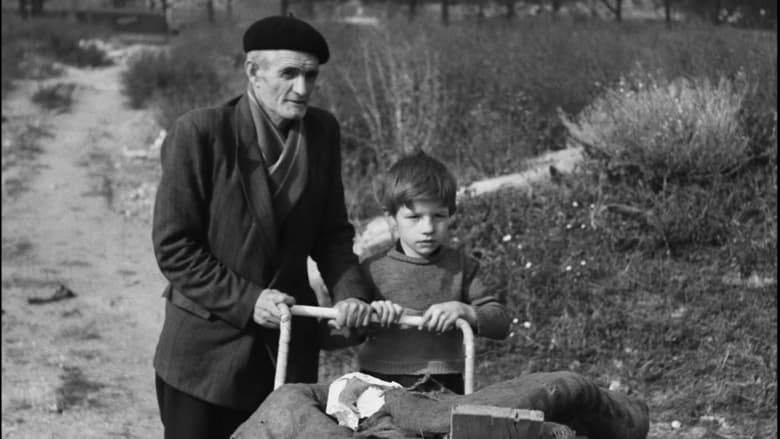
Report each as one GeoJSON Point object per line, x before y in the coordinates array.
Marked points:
{"type": "Point", "coordinates": [397, 253]}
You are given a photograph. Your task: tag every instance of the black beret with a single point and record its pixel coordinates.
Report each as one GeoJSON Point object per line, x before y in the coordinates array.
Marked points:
{"type": "Point", "coordinates": [281, 32]}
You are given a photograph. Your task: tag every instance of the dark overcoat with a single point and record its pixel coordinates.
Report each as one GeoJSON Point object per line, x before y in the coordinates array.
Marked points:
{"type": "Point", "coordinates": [219, 244]}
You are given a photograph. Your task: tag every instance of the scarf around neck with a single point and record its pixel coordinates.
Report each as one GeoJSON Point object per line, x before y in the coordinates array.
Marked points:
{"type": "Point", "coordinates": [285, 159]}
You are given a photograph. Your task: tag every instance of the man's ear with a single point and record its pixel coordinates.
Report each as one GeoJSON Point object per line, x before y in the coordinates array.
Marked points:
{"type": "Point", "coordinates": [250, 68]}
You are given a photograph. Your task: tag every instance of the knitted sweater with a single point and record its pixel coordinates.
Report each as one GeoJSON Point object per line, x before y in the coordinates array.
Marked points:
{"type": "Point", "coordinates": [417, 283]}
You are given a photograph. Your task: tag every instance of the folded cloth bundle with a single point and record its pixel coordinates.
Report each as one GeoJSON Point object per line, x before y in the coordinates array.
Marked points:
{"type": "Point", "coordinates": [356, 396]}
{"type": "Point", "coordinates": [295, 411]}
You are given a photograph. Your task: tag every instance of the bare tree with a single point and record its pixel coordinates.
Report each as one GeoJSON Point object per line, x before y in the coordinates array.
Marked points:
{"type": "Point", "coordinates": [284, 6]}
{"type": "Point", "coordinates": [229, 11]}
{"type": "Point", "coordinates": [36, 8]}
{"type": "Point", "coordinates": [23, 9]}
{"type": "Point", "coordinates": [308, 8]}
{"type": "Point", "coordinates": [668, 11]}
{"type": "Point", "coordinates": [445, 12]}
{"type": "Point", "coordinates": [412, 9]}
{"type": "Point", "coordinates": [616, 9]}
{"type": "Point", "coordinates": [210, 11]}
{"type": "Point", "coordinates": [510, 9]}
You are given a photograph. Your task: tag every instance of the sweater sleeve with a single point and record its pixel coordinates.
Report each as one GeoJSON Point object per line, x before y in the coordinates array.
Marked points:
{"type": "Point", "coordinates": [493, 319]}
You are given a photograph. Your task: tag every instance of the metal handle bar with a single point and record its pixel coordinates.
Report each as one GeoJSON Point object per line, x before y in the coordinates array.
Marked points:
{"type": "Point", "coordinates": [331, 313]}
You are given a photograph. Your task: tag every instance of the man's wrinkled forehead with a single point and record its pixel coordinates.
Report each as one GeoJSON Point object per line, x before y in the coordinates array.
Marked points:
{"type": "Point", "coordinates": [287, 58]}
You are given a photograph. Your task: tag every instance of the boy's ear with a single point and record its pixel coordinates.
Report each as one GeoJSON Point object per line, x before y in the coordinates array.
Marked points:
{"type": "Point", "coordinates": [390, 218]}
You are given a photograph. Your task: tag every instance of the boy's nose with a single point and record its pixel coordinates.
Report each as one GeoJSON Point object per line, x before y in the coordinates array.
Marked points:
{"type": "Point", "coordinates": [426, 224]}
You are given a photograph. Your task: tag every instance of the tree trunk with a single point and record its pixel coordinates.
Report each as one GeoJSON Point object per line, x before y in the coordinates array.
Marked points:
{"type": "Point", "coordinates": [412, 9]}
{"type": "Point", "coordinates": [229, 11]}
{"type": "Point", "coordinates": [210, 11]}
{"type": "Point", "coordinates": [445, 12]}
{"type": "Point", "coordinates": [668, 11]}
{"type": "Point", "coordinates": [510, 9]}
{"type": "Point", "coordinates": [23, 11]}
{"type": "Point", "coordinates": [36, 8]}
{"type": "Point", "coordinates": [556, 6]}
{"type": "Point", "coordinates": [284, 6]}
{"type": "Point", "coordinates": [164, 6]}
{"type": "Point", "coordinates": [308, 8]}
{"type": "Point", "coordinates": [617, 9]}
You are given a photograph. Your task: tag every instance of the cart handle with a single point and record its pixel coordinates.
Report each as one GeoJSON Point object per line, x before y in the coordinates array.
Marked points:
{"type": "Point", "coordinates": [331, 313]}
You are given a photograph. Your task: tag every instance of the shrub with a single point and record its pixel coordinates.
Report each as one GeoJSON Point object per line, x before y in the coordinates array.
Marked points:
{"type": "Point", "coordinates": [503, 82]}
{"type": "Point", "coordinates": [176, 81]}
{"type": "Point", "coordinates": [199, 70]}
{"type": "Point", "coordinates": [671, 163]}
{"type": "Point", "coordinates": [668, 131]}
{"type": "Point", "coordinates": [56, 39]}
{"type": "Point", "coordinates": [58, 96]}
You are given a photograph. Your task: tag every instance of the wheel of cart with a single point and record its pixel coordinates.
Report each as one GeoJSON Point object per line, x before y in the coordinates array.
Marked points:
{"type": "Point", "coordinates": [468, 421]}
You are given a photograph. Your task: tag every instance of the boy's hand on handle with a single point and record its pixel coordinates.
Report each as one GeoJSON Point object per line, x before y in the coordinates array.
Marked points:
{"type": "Point", "coordinates": [441, 317]}
{"type": "Point", "coordinates": [352, 313]}
{"type": "Point", "coordinates": [267, 310]}
{"type": "Point", "coordinates": [387, 311]}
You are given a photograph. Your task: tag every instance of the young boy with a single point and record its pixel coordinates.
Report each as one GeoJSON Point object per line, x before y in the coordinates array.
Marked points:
{"type": "Point", "coordinates": [420, 274]}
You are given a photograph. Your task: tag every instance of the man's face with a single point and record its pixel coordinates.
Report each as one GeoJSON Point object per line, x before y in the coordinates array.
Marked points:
{"type": "Point", "coordinates": [283, 81]}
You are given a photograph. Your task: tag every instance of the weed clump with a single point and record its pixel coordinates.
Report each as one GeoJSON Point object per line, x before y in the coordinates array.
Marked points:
{"type": "Point", "coordinates": [55, 40]}
{"type": "Point", "coordinates": [58, 97]}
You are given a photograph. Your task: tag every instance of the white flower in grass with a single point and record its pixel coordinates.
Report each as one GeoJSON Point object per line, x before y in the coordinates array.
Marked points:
{"type": "Point", "coordinates": [583, 262]}
{"type": "Point", "coordinates": [568, 268]}
{"type": "Point", "coordinates": [507, 238]}
{"type": "Point", "coordinates": [527, 325]}
{"type": "Point", "coordinates": [528, 265]}
{"type": "Point", "coordinates": [515, 321]}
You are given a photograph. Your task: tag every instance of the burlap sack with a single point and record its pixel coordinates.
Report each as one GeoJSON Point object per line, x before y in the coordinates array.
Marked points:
{"type": "Point", "coordinates": [295, 411]}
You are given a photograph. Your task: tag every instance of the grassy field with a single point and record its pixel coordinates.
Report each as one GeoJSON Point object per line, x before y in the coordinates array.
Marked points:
{"type": "Point", "coordinates": [651, 269]}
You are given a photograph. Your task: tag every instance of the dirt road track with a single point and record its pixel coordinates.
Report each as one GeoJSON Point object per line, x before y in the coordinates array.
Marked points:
{"type": "Point", "coordinates": [81, 367]}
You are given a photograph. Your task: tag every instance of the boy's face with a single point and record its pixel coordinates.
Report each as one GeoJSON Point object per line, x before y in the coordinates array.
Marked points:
{"type": "Point", "coordinates": [422, 227]}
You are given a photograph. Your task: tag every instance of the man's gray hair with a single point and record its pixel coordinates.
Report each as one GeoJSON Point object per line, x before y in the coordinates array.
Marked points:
{"type": "Point", "coordinates": [259, 57]}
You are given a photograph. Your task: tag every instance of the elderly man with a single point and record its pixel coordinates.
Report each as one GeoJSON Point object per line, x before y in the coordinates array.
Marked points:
{"type": "Point", "coordinates": [249, 189]}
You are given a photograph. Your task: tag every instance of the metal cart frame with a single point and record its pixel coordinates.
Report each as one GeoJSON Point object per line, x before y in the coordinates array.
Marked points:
{"type": "Point", "coordinates": [285, 328]}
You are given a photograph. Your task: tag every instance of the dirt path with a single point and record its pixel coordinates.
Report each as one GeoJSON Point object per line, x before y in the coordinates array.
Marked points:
{"type": "Point", "coordinates": [80, 367]}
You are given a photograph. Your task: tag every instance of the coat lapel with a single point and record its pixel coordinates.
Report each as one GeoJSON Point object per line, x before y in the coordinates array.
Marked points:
{"type": "Point", "coordinates": [254, 178]}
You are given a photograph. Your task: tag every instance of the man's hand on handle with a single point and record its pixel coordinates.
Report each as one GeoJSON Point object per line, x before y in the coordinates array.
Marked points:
{"type": "Point", "coordinates": [267, 307]}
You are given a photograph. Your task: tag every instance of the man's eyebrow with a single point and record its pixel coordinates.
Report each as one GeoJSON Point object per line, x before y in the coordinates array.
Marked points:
{"type": "Point", "coordinates": [300, 68]}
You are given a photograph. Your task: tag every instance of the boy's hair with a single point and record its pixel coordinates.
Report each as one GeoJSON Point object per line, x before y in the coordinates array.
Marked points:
{"type": "Point", "coordinates": [417, 177]}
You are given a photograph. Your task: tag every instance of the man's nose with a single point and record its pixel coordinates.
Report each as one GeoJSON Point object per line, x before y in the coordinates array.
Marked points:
{"type": "Point", "coordinates": [301, 86]}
